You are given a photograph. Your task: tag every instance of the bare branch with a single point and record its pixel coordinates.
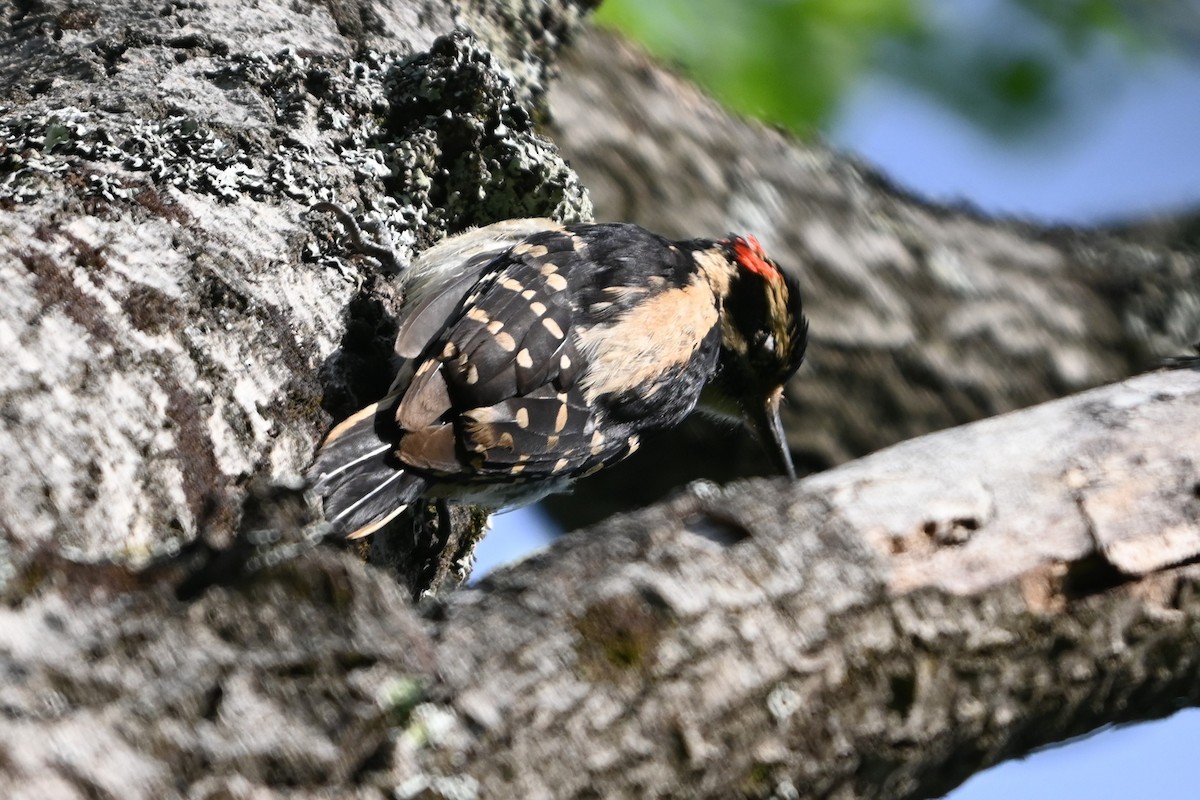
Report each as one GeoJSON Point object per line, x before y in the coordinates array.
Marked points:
{"type": "Point", "coordinates": [923, 316]}
{"type": "Point", "coordinates": [878, 631]}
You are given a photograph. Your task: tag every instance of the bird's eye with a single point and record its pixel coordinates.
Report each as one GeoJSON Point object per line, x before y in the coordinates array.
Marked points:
{"type": "Point", "coordinates": [764, 346]}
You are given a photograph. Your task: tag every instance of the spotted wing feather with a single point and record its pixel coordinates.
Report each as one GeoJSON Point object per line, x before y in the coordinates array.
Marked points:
{"type": "Point", "coordinates": [543, 434]}
{"type": "Point", "coordinates": [436, 283]}
{"type": "Point", "coordinates": [523, 363]}
{"type": "Point", "coordinates": [510, 363]}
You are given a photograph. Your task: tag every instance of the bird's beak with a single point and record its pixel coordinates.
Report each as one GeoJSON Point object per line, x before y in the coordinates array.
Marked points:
{"type": "Point", "coordinates": [770, 430]}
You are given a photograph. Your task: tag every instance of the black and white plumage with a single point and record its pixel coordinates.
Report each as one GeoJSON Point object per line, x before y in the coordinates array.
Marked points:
{"type": "Point", "coordinates": [533, 354]}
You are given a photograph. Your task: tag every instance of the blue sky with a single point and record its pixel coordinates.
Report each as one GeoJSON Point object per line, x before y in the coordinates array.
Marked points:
{"type": "Point", "coordinates": [1126, 149]}
{"type": "Point", "coordinates": [1126, 146]}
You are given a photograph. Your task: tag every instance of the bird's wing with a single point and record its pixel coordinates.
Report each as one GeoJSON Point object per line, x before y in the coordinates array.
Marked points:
{"type": "Point", "coordinates": [496, 390]}
{"type": "Point", "coordinates": [437, 281]}
{"type": "Point", "coordinates": [524, 379]}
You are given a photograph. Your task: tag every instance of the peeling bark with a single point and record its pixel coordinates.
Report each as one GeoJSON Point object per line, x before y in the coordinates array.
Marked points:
{"type": "Point", "coordinates": [881, 630]}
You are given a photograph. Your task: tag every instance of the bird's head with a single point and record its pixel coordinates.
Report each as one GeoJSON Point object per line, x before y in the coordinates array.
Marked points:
{"type": "Point", "coordinates": [763, 337]}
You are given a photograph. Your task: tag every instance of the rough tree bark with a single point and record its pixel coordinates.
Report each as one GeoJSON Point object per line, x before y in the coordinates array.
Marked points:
{"type": "Point", "coordinates": [177, 335]}
{"type": "Point", "coordinates": [172, 327]}
{"type": "Point", "coordinates": [881, 630]}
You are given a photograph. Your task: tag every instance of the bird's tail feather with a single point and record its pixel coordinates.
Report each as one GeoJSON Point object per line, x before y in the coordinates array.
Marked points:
{"type": "Point", "coordinates": [360, 483]}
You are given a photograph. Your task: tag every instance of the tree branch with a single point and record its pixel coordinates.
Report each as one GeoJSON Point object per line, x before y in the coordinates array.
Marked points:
{"type": "Point", "coordinates": [923, 316]}
{"type": "Point", "coordinates": [176, 336]}
{"type": "Point", "coordinates": [881, 630]}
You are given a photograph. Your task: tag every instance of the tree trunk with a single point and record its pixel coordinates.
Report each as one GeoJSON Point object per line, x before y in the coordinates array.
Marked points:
{"type": "Point", "coordinates": [175, 326]}
{"type": "Point", "coordinates": [177, 335]}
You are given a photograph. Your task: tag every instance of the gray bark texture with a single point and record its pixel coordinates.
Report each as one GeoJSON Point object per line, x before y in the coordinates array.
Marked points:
{"type": "Point", "coordinates": [923, 316]}
{"type": "Point", "coordinates": [176, 333]}
{"type": "Point", "coordinates": [881, 630]}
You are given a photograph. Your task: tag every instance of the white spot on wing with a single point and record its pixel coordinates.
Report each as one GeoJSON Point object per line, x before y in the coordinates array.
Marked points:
{"type": "Point", "coordinates": [552, 326]}
{"type": "Point", "coordinates": [534, 250]}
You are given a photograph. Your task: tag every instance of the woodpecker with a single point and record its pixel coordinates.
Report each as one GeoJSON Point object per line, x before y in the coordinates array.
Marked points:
{"type": "Point", "coordinates": [531, 353]}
